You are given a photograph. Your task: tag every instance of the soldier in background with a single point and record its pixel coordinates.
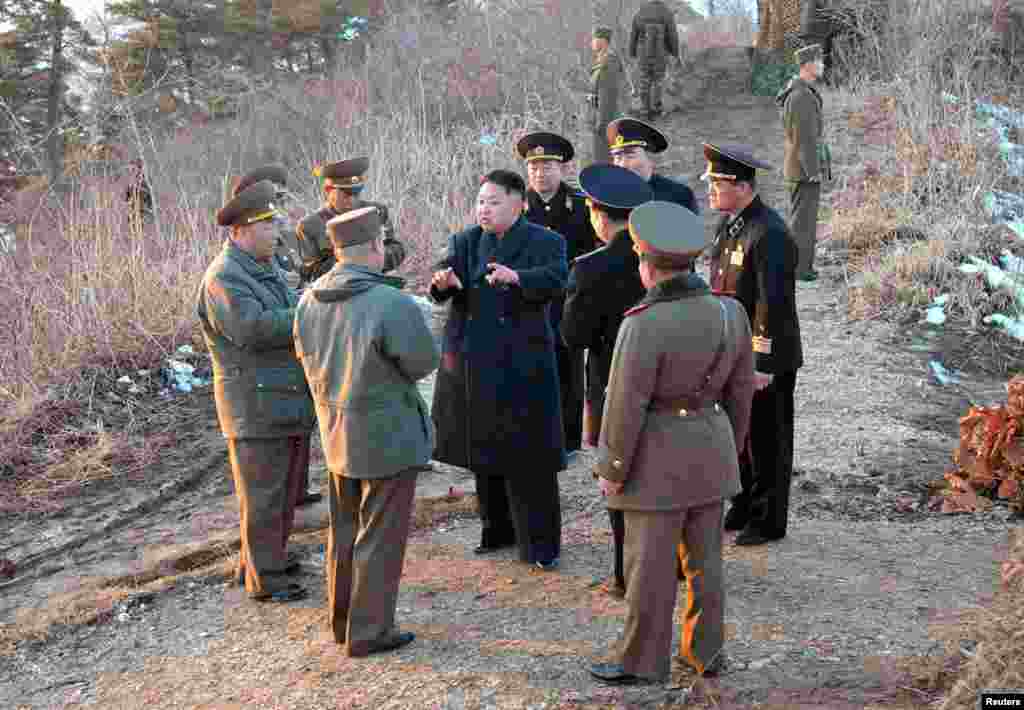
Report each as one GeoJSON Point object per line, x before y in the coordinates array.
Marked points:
{"type": "Point", "coordinates": [806, 164]}
{"type": "Point", "coordinates": [138, 194]}
{"type": "Point", "coordinates": [343, 182]}
{"type": "Point", "coordinates": [753, 259]}
{"type": "Point", "coordinates": [606, 75]}
{"type": "Point", "coordinates": [653, 39]}
{"type": "Point", "coordinates": [286, 259]}
{"type": "Point", "coordinates": [553, 204]}
{"type": "Point", "coordinates": [263, 402]}
{"type": "Point", "coordinates": [632, 143]}
{"type": "Point", "coordinates": [602, 286]}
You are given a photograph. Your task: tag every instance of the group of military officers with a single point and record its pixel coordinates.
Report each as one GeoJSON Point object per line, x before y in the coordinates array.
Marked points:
{"type": "Point", "coordinates": [576, 319]}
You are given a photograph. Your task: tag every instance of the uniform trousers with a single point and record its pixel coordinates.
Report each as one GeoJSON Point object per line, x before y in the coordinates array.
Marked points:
{"type": "Point", "coordinates": [804, 198]}
{"type": "Point", "coordinates": [525, 507]}
{"type": "Point", "coordinates": [370, 522]}
{"type": "Point", "coordinates": [694, 536]}
{"type": "Point", "coordinates": [570, 379]}
{"type": "Point", "coordinates": [649, 87]}
{"type": "Point", "coordinates": [767, 472]}
{"type": "Point", "coordinates": [267, 475]}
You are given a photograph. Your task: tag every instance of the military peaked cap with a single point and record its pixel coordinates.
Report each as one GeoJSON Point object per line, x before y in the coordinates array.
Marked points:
{"type": "Point", "coordinates": [354, 227]}
{"type": "Point", "coordinates": [544, 146]}
{"type": "Point", "coordinates": [668, 230]}
{"type": "Point", "coordinates": [629, 132]}
{"type": "Point", "coordinates": [274, 173]}
{"type": "Point", "coordinates": [253, 204]}
{"type": "Point", "coordinates": [613, 186]}
{"type": "Point", "coordinates": [731, 161]}
{"type": "Point", "coordinates": [603, 33]}
{"type": "Point", "coordinates": [810, 53]}
{"type": "Point", "coordinates": [345, 173]}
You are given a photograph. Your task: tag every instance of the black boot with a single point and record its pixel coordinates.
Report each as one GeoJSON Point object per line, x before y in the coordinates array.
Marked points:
{"type": "Point", "coordinates": [491, 540]}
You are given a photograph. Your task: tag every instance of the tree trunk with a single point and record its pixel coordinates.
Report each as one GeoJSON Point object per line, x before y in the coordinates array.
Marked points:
{"type": "Point", "coordinates": [54, 139]}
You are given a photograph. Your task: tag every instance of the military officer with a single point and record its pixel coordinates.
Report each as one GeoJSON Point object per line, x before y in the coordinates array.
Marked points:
{"type": "Point", "coordinates": [553, 204]}
{"type": "Point", "coordinates": [678, 407]}
{"type": "Point", "coordinates": [263, 403]}
{"type": "Point", "coordinates": [652, 40]}
{"type": "Point", "coordinates": [632, 143]}
{"type": "Point", "coordinates": [343, 182]}
{"type": "Point", "coordinates": [806, 163]}
{"type": "Point", "coordinates": [602, 286]}
{"type": "Point", "coordinates": [754, 260]}
{"type": "Point", "coordinates": [606, 76]}
{"type": "Point", "coordinates": [286, 258]}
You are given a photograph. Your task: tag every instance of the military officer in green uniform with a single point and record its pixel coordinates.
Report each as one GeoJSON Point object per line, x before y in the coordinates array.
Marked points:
{"type": "Point", "coordinates": [632, 143]}
{"type": "Point", "coordinates": [652, 40]}
{"type": "Point", "coordinates": [286, 258]}
{"type": "Point", "coordinates": [264, 406]}
{"type": "Point", "coordinates": [551, 203]}
{"type": "Point", "coordinates": [754, 260]}
{"type": "Point", "coordinates": [606, 75]}
{"type": "Point", "coordinates": [677, 409]}
{"type": "Point", "coordinates": [806, 163]}
{"type": "Point", "coordinates": [343, 182]}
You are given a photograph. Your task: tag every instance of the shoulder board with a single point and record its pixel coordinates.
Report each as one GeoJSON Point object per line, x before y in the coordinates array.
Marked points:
{"type": "Point", "coordinates": [637, 309]}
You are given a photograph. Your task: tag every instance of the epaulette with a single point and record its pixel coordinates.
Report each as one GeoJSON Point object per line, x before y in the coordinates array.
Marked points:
{"type": "Point", "coordinates": [636, 309]}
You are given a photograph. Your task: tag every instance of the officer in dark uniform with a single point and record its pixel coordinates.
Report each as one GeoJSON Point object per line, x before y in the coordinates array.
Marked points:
{"type": "Point", "coordinates": [553, 204]}
{"type": "Point", "coordinates": [602, 286]}
{"type": "Point", "coordinates": [343, 181]}
{"type": "Point", "coordinates": [753, 259]}
{"type": "Point", "coordinates": [631, 144]}
{"type": "Point", "coordinates": [286, 259]}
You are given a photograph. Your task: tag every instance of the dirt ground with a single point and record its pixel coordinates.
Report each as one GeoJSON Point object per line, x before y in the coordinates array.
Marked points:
{"type": "Point", "coordinates": [121, 602]}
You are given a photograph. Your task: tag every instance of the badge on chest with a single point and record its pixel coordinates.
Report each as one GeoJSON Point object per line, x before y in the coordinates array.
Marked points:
{"type": "Point", "coordinates": [737, 257]}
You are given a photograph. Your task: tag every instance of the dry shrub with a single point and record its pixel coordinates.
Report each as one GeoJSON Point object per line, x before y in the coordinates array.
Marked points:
{"type": "Point", "coordinates": [999, 632]}
{"type": "Point", "coordinates": [719, 31]}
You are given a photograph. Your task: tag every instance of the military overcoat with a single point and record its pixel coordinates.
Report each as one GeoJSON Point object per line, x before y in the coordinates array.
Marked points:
{"type": "Point", "coordinates": [802, 131]}
{"type": "Point", "coordinates": [663, 436]}
{"type": "Point", "coordinates": [654, 15]}
{"type": "Point", "coordinates": [669, 190]}
{"type": "Point", "coordinates": [497, 406]}
{"type": "Point", "coordinates": [246, 309]}
{"type": "Point", "coordinates": [753, 259]}
{"type": "Point", "coordinates": [602, 286]}
{"type": "Point", "coordinates": [606, 78]}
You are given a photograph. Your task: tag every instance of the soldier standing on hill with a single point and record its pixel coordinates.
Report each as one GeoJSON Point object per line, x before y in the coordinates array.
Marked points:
{"type": "Point", "coordinates": [807, 161]}
{"type": "Point", "coordinates": [138, 195]}
{"type": "Point", "coordinates": [631, 143]}
{"type": "Point", "coordinates": [753, 259]}
{"type": "Point", "coordinates": [605, 84]}
{"type": "Point", "coordinates": [343, 182]}
{"type": "Point", "coordinates": [602, 286]}
{"type": "Point", "coordinates": [263, 402]}
{"type": "Point", "coordinates": [286, 259]}
{"type": "Point", "coordinates": [654, 38]}
{"type": "Point", "coordinates": [552, 204]}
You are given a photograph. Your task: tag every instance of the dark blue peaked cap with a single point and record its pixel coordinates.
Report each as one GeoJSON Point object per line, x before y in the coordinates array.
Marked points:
{"type": "Point", "coordinates": [613, 186]}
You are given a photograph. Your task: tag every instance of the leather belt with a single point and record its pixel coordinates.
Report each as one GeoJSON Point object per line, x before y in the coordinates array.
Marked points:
{"type": "Point", "coordinates": [684, 407]}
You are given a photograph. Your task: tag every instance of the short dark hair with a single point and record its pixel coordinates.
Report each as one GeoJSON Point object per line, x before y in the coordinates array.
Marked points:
{"type": "Point", "coordinates": [615, 214]}
{"type": "Point", "coordinates": [512, 182]}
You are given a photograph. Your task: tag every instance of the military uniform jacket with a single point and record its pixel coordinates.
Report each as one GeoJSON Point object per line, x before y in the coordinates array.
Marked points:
{"type": "Point", "coordinates": [496, 399]}
{"type": "Point", "coordinates": [669, 190]}
{"type": "Point", "coordinates": [245, 309]}
{"type": "Point", "coordinates": [364, 345]}
{"type": "Point", "coordinates": [567, 215]}
{"type": "Point", "coordinates": [658, 14]}
{"type": "Point", "coordinates": [602, 286]}
{"type": "Point", "coordinates": [605, 82]}
{"type": "Point", "coordinates": [802, 131]}
{"type": "Point", "coordinates": [314, 246]}
{"type": "Point", "coordinates": [753, 259]}
{"type": "Point", "coordinates": [679, 399]}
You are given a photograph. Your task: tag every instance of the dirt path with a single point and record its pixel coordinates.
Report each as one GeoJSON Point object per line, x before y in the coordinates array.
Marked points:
{"type": "Point", "coordinates": [845, 612]}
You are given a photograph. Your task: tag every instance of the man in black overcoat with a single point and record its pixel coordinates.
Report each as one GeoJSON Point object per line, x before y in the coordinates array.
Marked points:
{"type": "Point", "coordinates": [496, 406]}
{"type": "Point", "coordinates": [603, 285]}
{"type": "Point", "coordinates": [553, 204]}
{"type": "Point", "coordinates": [754, 260]}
